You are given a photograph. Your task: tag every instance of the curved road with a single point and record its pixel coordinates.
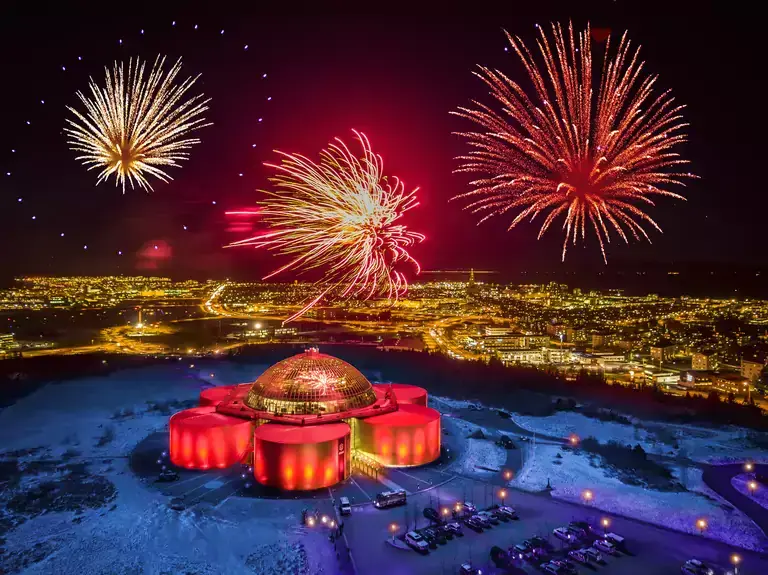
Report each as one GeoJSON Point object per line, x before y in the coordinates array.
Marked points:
{"type": "Point", "coordinates": [718, 478]}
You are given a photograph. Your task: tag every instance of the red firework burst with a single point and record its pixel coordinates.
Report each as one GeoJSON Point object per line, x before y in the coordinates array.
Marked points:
{"type": "Point", "coordinates": [588, 155]}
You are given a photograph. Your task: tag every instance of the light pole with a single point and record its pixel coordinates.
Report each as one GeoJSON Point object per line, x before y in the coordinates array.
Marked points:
{"type": "Point", "coordinates": [503, 495]}
{"type": "Point", "coordinates": [605, 522]}
{"type": "Point", "coordinates": [748, 467]}
{"type": "Point", "coordinates": [735, 559]}
{"type": "Point", "coordinates": [507, 475]}
{"type": "Point", "coordinates": [702, 525]}
{"type": "Point", "coordinates": [393, 528]}
{"type": "Point", "coordinates": [752, 486]}
{"type": "Point", "coordinates": [573, 439]}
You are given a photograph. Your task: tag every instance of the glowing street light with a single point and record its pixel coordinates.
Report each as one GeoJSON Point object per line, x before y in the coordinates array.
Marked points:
{"type": "Point", "coordinates": [748, 467]}
{"type": "Point", "coordinates": [324, 519]}
{"type": "Point", "coordinates": [735, 560]}
{"type": "Point", "coordinates": [605, 522]}
{"type": "Point", "coordinates": [701, 524]}
{"type": "Point", "coordinates": [587, 495]}
{"type": "Point", "coordinates": [507, 475]}
{"type": "Point", "coordinates": [311, 521]}
{"type": "Point", "coordinates": [445, 511]}
{"type": "Point", "coordinates": [393, 528]}
{"type": "Point", "coordinates": [573, 439]}
{"type": "Point", "coordinates": [752, 486]}
{"type": "Point", "coordinates": [503, 495]}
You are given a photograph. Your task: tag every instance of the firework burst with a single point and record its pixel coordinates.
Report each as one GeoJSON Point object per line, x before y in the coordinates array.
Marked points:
{"type": "Point", "coordinates": [136, 125]}
{"type": "Point", "coordinates": [590, 156]}
{"type": "Point", "coordinates": [340, 214]}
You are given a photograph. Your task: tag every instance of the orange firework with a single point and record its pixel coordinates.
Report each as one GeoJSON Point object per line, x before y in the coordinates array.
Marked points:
{"type": "Point", "coordinates": [589, 155]}
{"type": "Point", "coordinates": [340, 215]}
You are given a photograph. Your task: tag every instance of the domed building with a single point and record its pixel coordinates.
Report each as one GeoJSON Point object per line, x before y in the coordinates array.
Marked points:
{"type": "Point", "coordinates": [302, 420]}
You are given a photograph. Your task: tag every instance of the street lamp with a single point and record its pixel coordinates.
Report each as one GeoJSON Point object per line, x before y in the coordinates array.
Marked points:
{"type": "Point", "coordinates": [605, 522]}
{"type": "Point", "coordinates": [393, 528]}
{"type": "Point", "coordinates": [752, 486]}
{"type": "Point", "coordinates": [587, 495]}
{"type": "Point", "coordinates": [503, 495]}
{"type": "Point", "coordinates": [735, 559]}
{"type": "Point", "coordinates": [701, 524]}
{"type": "Point", "coordinates": [748, 467]}
{"type": "Point", "coordinates": [507, 475]}
{"type": "Point", "coordinates": [445, 511]}
{"type": "Point", "coordinates": [573, 439]}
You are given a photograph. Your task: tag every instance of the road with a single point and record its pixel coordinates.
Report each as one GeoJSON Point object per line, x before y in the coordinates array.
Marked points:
{"type": "Point", "coordinates": [718, 478]}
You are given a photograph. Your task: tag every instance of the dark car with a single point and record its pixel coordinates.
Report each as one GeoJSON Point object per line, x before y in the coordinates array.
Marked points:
{"type": "Point", "coordinates": [566, 566]}
{"type": "Point", "coordinates": [506, 511]}
{"type": "Point", "coordinates": [429, 537]}
{"type": "Point", "coordinates": [177, 504]}
{"type": "Point", "coordinates": [585, 527]}
{"type": "Point", "coordinates": [484, 521]}
{"type": "Point", "coordinates": [432, 514]}
{"type": "Point", "coordinates": [444, 531]}
{"type": "Point", "coordinates": [168, 475]}
{"type": "Point", "coordinates": [540, 542]}
{"type": "Point", "coordinates": [474, 524]}
{"type": "Point", "coordinates": [431, 532]}
{"type": "Point", "coordinates": [454, 527]}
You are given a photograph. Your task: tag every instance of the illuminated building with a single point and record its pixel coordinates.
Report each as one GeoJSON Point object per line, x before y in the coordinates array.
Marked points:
{"type": "Point", "coordinates": [300, 423]}
{"type": "Point", "coordinates": [704, 361]}
{"type": "Point", "coordinates": [751, 369]}
{"type": "Point", "coordinates": [662, 351]}
{"type": "Point", "coordinates": [7, 342]}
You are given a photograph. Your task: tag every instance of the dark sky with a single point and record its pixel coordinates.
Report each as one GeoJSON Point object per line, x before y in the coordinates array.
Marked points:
{"type": "Point", "coordinates": [394, 76]}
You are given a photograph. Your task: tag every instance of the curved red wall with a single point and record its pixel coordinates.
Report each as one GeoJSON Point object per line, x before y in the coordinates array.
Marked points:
{"type": "Point", "coordinates": [215, 395]}
{"type": "Point", "coordinates": [202, 438]}
{"type": "Point", "coordinates": [404, 393]}
{"type": "Point", "coordinates": [406, 437]}
{"type": "Point", "coordinates": [293, 457]}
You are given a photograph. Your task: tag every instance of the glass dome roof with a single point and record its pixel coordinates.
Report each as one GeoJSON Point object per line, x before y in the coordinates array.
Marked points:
{"type": "Point", "coordinates": [310, 383]}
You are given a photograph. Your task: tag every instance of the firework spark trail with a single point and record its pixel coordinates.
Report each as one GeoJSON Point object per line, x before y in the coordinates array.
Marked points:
{"type": "Point", "coordinates": [136, 125]}
{"type": "Point", "coordinates": [569, 152]}
{"type": "Point", "coordinates": [340, 214]}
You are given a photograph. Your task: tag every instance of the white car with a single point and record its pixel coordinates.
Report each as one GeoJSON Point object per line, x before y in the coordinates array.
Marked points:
{"type": "Point", "coordinates": [344, 507]}
{"type": "Point", "coordinates": [563, 534]}
{"type": "Point", "coordinates": [552, 568]}
{"type": "Point", "coordinates": [416, 542]}
{"type": "Point", "coordinates": [469, 506]}
{"type": "Point", "coordinates": [617, 540]}
{"type": "Point", "coordinates": [605, 546]}
{"type": "Point", "coordinates": [696, 567]}
{"type": "Point", "coordinates": [579, 555]}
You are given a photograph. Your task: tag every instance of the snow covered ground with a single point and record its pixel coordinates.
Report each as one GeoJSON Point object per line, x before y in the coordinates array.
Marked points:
{"type": "Point", "coordinates": [136, 531]}
{"type": "Point", "coordinates": [759, 494]}
{"type": "Point", "coordinates": [572, 474]}
{"type": "Point", "coordinates": [478, 456]}
{"type": "Point", "coordinates": [695, 442]}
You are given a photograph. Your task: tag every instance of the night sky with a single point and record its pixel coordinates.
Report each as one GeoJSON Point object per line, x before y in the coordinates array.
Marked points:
{"type": "Point", "coordinates": [393, 76]}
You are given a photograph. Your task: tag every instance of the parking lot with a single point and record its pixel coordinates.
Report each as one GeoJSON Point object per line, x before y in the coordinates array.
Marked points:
{"type": "Point", "coordinates": [653, 550]}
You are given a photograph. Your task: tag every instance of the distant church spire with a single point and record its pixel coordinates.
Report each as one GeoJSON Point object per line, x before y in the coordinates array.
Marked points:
{"type": "Point", "coordinates": [471, 276]}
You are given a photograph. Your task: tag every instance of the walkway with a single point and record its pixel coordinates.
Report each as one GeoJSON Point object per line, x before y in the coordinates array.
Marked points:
{"type": "Point", "coordinates": [718, 478]}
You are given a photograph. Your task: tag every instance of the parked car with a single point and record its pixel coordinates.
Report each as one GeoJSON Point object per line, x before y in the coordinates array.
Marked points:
{"type": "Point", "coordinates": [344, 506]}
{"type": "Point", "coordinates": [540, 542]}
{"type": "Point", "coordinates": [519, 551]}
{"type": "Point", "coordinates": [431, 532]}
{"type": "Point", "coordinates": [553, 568]}
{"type": "Point", "coordinates": [474, 523]}
{"type": "Point", "coordinates": [566, 566]}
{"type": "Point", "coordinates": [488, 516]}
{"type": "Point", "coordinates": [604, 546]}
{"type": "Point", "coordinates": [579, 555]}
{"type": "Point", "coordinates": [484, 521]}
{"type": "Point", "coordinates": [469, 506]}
{"type": "Point", "coordinates": [593, 554]}
{"type": "Point", "coordinates": [467, 569]}
{"type": "Point", "coordinates": [167, 475]}
{"type": "Point", "coordinates": [432, 514]}
{"type": "Point", "coordinates": [582, 526]}
{"type": "Point", "coordinates": [617, 540]}
{"type": "Point", "coordinates": [454, 527]}
{"type": "Point", "coordinates": [563, 534]}
{"type": "Point", "coordinates": [696, 567]}
{"type": "Point", "coordinates": [579, 532]}
{"type": "Point", "coordinates": [507, 511]}
{"type": "Point", "coordinates": [416, 542]}
{"type": "Point", "coordinates": [177, 504]}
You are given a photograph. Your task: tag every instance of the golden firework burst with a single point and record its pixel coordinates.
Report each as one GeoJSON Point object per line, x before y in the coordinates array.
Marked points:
{"type": "Point", "coordinates": [137, 124]}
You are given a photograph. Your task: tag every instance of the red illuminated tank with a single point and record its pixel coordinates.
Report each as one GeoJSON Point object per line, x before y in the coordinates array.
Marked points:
{"type": "Point", "coordinates": [202, 438]}
{"type": "Point", "coordinates": [404, 393]}
{"type": "Point", "coordinates": [294, 422]}
{"type": "Point", "coordinates": [294, 457]}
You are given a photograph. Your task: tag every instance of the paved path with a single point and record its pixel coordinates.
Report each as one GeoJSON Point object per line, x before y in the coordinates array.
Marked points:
{"type": "Point", "coordinates": [718, 478]}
